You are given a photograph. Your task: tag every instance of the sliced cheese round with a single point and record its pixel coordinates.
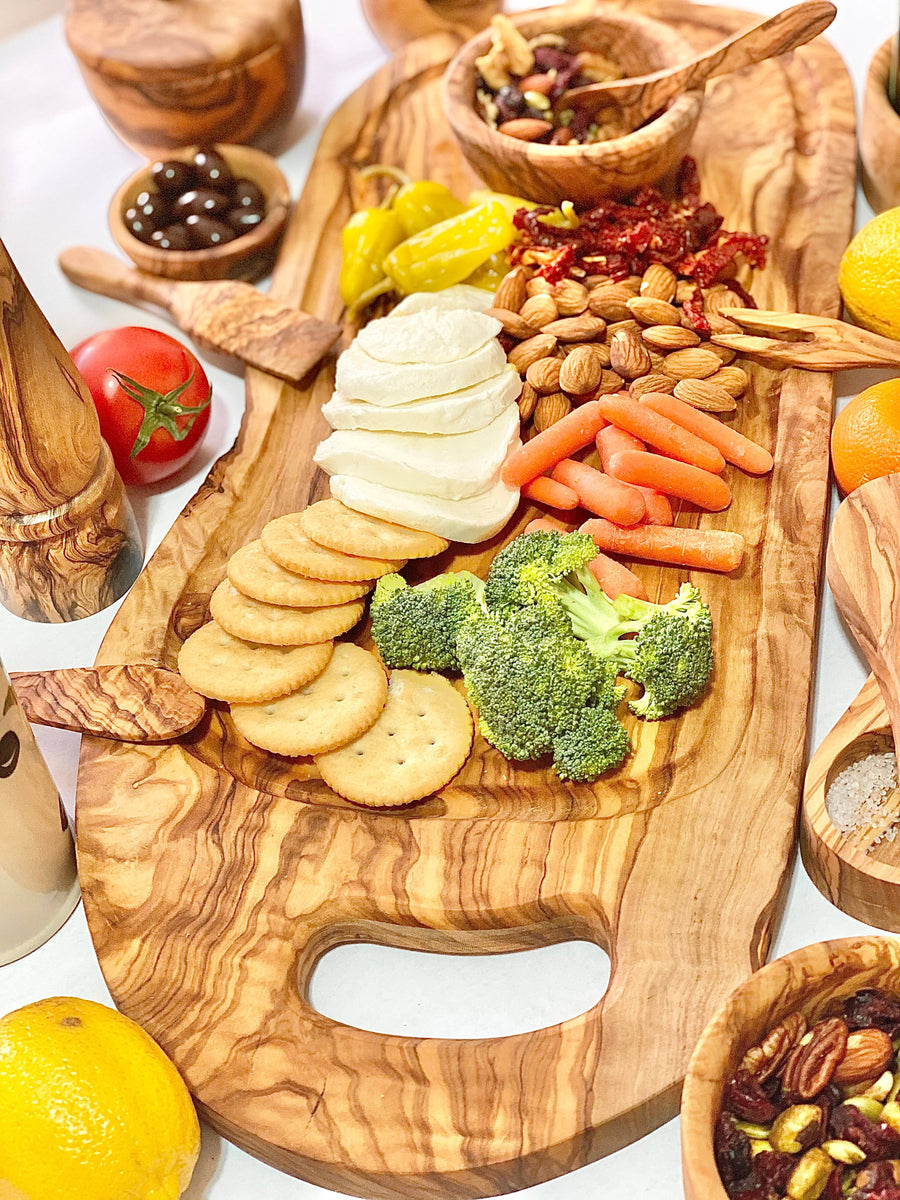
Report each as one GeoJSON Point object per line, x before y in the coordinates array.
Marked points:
{"type": "Point", "coordinates": [361, 377]}
{"type": "Point", "coordinates": [461, 295]}
{"type": "Point", "coordinates": [452, 466]}
{"type": "Point", "coordinates": [430, 336]}
{"type": "Point", "coordinates": [470, 520]}
{"type": "Point", "coordinates": [457, 412]}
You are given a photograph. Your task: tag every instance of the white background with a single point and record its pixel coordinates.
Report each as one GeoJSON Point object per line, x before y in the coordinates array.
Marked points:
{"type": "Point", "coordinates": [60, 165]}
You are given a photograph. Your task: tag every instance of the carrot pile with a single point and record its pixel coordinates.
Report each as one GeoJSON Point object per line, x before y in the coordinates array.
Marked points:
{"type": "Point", "coordinates": [651, 450]}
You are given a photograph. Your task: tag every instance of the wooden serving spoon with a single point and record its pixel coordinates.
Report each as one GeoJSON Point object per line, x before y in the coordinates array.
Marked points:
{"type": "Point", "coordinates": [137, 703]}
{"type": "Point", "coordinates": [641, 96]}
{"type": "Point", "coordinates": [824, 343]}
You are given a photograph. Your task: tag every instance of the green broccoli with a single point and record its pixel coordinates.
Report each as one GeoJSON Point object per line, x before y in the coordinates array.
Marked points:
{"type": "Point", "coordinates": [417, 626]}
{"type": "Point", "coordinates": [525, 570]}
{"type": "Point", "coordinates": [595, 742]}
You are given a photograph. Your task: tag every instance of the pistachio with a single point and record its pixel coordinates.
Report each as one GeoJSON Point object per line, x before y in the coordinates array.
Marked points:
{"type": "Point", "coordinates": [844, 1152]}
{"type": "Point", "coordinates": [796, 1128]}
{"type": "Point", "coordinates": [752, 1130]}
{"type": "Point", "coordinates": [890, 1114]}
{"type": "Point", "coordinates": [867, 1106]}
{"type": "Point", "coordinates": [810, 1175]}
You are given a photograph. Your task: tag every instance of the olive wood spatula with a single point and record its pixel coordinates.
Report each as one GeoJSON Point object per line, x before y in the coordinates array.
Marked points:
{"type": "Point", "coordinates": [814, 343]}
{"type": "Point", "coordinates": [137, 703]}
{"type": "Point", "coordinates": [224, 315]}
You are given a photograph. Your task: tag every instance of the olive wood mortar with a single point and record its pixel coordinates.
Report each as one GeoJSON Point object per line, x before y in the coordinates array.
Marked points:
{"type": "Point", "coordinates": [879, 138]}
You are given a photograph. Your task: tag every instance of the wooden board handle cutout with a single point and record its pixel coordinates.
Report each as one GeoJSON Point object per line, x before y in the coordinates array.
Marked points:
{"type": "Point", "coordinates": [69, 544]}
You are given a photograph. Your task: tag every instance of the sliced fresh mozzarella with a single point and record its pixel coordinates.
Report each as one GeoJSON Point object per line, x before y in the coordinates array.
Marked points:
{"type": "Point", "coordinates": [362, 377]}
{"type": "Point", "coordinates": [457, 412]}
{"type": "Point", "coordinates": [430, 336]}
{"type": "Point", "coordinates": [452, 466]}
{"type": "Point", "coordinates": [461, 295]}
{"type": "Point", "coordinates": [470, 520]}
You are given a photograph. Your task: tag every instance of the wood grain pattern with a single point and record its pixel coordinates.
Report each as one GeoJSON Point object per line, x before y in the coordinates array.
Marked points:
{"type": "Point", "coordinates": [814, 980]}
{"type": "Point", "coordinates": [232, 893]}
{"type": "Point", "coordinates": [826, 345]}
{"type": "Point", "coordinates": [231, 317]}
{"type": "Point", "coordinates": [879, 135]}
{"type": "Point", "coordinates": [397, 22]}
{"type": "Point", "coordinates": [170, 73]}
{"type": "Point", "coordinates": [136, 703]}
{"type": "Point", "coordinates": [579, 173]}
{"type": "Point", "coordinates": [639, 98]}
{"type": "Point", "coordinates": [69, 544]}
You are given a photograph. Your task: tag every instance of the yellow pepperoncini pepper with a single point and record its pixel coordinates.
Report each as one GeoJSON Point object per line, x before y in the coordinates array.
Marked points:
{"type": "Point", "coordinates": [369, 235]}
{"type": "Point", "coordinates": [510, 203]}
{"type": "Point", "coordinates": [424, 203]}
{"type": "Point", "coordinates": [447, 253]}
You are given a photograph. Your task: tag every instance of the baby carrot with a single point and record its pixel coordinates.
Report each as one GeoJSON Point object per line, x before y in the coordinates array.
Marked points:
{"type": "Point", "coordinates": [573, 432]}
{"type": "Point", "coordinates": [657, 506]}
{"type": "Point", "coordinates": [680, 479]}
{"type": "Point", "coordinates": [544, 525]}
{"type": "Point", "coordinates": [548, 491]}
{"type": "Point", "coordinates": [705, 549]}
{"type": "Point", "coordinates": [660, 432]}
{"type": "Point", "coordinates": [615, 578]}
{"type": "Point", "coordinates": [611, 439]}
{"type": "Point", "coordinates": [600, 493]}
{"type": "Point", "coordinates": [735, 448]}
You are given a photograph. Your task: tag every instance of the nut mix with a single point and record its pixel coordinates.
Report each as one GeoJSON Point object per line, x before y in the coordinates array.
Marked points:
{"type": "Point", "coordinates": [626, 295]}
{"type": "Point", "coordinates": [812, 1113]}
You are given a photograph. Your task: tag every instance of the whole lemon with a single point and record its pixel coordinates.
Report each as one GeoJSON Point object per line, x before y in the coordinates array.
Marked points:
{"type": "Point", "coordinates": [869, 275]}
{"type": "Point", "coordinates": [90, 1108]}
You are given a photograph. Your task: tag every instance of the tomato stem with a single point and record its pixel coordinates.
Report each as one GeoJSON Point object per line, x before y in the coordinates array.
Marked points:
{"type": "Point", "coordinates": [160, 410]}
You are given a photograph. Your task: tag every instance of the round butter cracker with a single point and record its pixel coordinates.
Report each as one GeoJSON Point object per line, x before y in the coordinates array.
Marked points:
{"type": "Point", "coordinates": [284, 540]}
{"type": "Point", "coordinates": [336, 707]}
{"type": "Point", "coordinates": [417, 745]}
{"type": "Point", "coordinates": [258, 576]}
{"type": "Point", "coordinates": [223, 667]}
{"type": "Point", "coordinates": [277, 624]}
{"type": "Point", "coordinates": [332, 524]}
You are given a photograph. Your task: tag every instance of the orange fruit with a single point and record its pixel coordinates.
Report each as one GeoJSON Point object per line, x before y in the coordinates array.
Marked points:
{"type": "Point", "coordinates": [90, 1107]}
{"type": "Point", "coordinates": [869, 275]}
{"type": "Point", "coordinates": [865, 437]}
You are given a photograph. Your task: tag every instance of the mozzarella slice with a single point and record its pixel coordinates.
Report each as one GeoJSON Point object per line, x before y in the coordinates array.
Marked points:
{"type": "Point", "coordinates": [362, 377]}
{"type": "Point", "coordinates": [455, 466]}
{"type": "Point", "coordinates": [470, 520]}
{"type": "Point", "coordinates": [430, 336]}
{"type": "Point", "coordinates": [461, 295]}
{"type": "Point", "coordinates": [457, 412]}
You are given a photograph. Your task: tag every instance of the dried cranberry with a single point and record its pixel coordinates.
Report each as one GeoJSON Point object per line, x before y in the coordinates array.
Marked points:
{"type": "Point", "coordinates": [872, 1007]}
{"type": "Point", "coordinates": [734, 1157]}
{"type": "Point", "coordinates": [873, 1176]}
{"type": "Point", "coordinates": [833, 1189]}
{"type": "Point", "coordinates": [745, 1098]}
{"type": "Point", "coordinates": [510, 103]}
{"type": "Point", "coordinates": [551, 58]}
{"type": "Point", "coordinates": [774, 1169]}
{"type": "Point", "coordinates": [877, 1140]}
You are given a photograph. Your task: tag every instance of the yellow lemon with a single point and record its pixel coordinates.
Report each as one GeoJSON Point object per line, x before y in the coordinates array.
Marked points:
{"type": "Point", "coordinates": [90, 1108]}
{"type": "Point", "coordinates": [869, 276]}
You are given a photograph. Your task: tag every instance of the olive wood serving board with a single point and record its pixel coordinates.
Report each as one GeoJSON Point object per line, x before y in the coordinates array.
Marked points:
{"type": "Point", "coordinates": [215, 877]}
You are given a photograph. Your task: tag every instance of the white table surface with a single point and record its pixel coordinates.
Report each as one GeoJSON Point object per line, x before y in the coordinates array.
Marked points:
{"type": "Point", "coordinates": [60, 165]}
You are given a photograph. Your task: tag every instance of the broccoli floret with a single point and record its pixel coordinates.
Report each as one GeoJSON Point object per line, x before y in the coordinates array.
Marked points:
{"type": "Point", "coordinates": [670, 654]}
{"type": "Point", "coordinates": [524, 570]}
{"type": "Point", "coordinates": [417, 626]}
{"type": "Point", "coordinates": [596, 742]}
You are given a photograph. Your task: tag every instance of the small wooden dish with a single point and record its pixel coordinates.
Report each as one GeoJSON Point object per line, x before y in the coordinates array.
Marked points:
{"type": "Point", "coordinates": [815, 980]}
{"type": "Point", "coordinates": [248, 257]}
{"type": "Point", "coordinates": [879, 138]}
{"type": "Point", "coordinates": [583, 174]}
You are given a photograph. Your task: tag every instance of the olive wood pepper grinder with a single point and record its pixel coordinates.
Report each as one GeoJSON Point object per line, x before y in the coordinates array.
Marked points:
{"type": "Point", "coordinates": [69, 543]}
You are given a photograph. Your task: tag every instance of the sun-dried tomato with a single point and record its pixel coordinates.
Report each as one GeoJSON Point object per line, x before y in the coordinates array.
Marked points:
{"type": "Point", "coordinates": [870, 1006]}
{"type": "Point", "coordinates": [693, 310]}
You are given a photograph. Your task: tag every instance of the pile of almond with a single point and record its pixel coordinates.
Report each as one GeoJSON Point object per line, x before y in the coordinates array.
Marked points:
{"type": "Point", "coordinates": [587, 337]}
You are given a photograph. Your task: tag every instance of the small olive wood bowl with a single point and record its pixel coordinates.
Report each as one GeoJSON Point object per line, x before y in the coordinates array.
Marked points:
{"type": "Point", "coordinates": [248, 257]}
{"type": "Point", "coordinates": [583, 174]}
{"type": "Point", "coordinates": [815, 979]}
{"type": "Point", "coordinates": [879, 137]}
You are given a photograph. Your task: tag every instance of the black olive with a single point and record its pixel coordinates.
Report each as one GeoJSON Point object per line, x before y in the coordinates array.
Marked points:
{"type": "Point", "coordinates": [205, 232]}
{"type": "Point", "coordinates": [247, 195]}
{"type": "Point", "coordinates": [172, 177]}
{"type": "Point", "coordinates": [242, 220]}
{"type": "Point", "coordinates": [510, 103]}
{"type": "Point", "coordinates": [212, 171]}
{"type": "Point", "coordinates": [173, 237]}
{"type": "Point", "coordinates": [153, 206]}
{"type": "Point", "coordinates": [138, 225]}
{"type": "Point", "coordinates": [200, 202]}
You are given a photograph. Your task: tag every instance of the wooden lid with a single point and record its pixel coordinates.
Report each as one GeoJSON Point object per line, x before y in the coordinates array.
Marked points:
{"type": "Point", "coordinates": [128, 38]}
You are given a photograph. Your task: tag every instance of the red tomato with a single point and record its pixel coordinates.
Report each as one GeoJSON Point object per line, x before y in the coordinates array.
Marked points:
{"type": "Point", "coordinates": [152, 399]}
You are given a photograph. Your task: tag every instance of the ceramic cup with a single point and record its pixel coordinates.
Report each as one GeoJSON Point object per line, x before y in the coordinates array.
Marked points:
{"type": "Point", "coordinates": [38, 880]}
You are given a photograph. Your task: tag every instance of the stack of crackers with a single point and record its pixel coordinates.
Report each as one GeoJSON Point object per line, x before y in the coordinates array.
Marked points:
{"type": "Point", "coordinates": [269, 652]}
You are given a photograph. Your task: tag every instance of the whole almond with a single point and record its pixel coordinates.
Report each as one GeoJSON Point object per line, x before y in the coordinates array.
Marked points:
{"type": "Point", "coordinates": [536, 83]}
{"type": "Point", "coordinates": [628, 356]}
{"type": "Point", "coordinates": [633, 283]}
{"type": "Point", "coordinates": [734, 380]}
{"type": "Point", "coordinates": [544, 374]}
{"type": "Point", "coordinates": [610, 301]}
{"type": "Point", "coordinates": [669, 337]}
{"type": "Point", "coordinates": [647, 310]}
{"type": "Point", "coordinates": [511, 293]}
{"type": "Point", "coordinates": [596, 280]}
{"type": "Point", "coordinates": [513, 323]}
{"type": "Point", "coordinates": [657, 358]}
{"type": "Point", "coordinates": [654, 382]}
{"type": "Point", "coordinates": [696, 362]}
{"type": "Point", "coordinates": [527, 402]}
{"type": "Point", "coordinates": [571, 297]}
{"type": "Point", "coordinates": [522, 356]}
{"type": "Point", "coordinates": [659, 281]}
{"type": "Point", "coordinates": [610, 382]}
{"type": "Point", "coordinates": [703, 393]}
{"type": "Point", "coordinates": [685, 289]}
{"type": "Point", "coordinates": [724, 354]}
{"type": "Point", "coordinates": [577, 329]}
{"type": "Point", "coordinates": [719, 299]}
{"type": "Point", "coordinates": [550, 409]}
{"type": "Point", "coordinates": [719, 323]}
{"type": "Point", "coordinates": [620, 326]}
{"type": "Point", "coordinates": [539, 311]}
{"type": "Point", "coordinates": [599, 349]}
{"type": "Point", "coordinates": [868, 1053]}
{"type": "Point", "coordinates": [582, 370]}
{"type": "Point", "coordinates": [537, 285]}
{"type": "Point", "coordinates": [525, 129]}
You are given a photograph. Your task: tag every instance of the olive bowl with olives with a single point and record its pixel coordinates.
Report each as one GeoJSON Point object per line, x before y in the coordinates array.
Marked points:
{"type": "Point", "coordinates": [214, 212]}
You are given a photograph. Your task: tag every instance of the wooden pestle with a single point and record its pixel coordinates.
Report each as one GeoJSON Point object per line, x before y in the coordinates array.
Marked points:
{"type": "Point", "coordinates": [69, 544]}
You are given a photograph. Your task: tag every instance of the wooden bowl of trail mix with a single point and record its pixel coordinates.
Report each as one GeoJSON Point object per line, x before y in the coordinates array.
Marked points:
{"type": "Point", "coordinates": [502, 92]}
{"type": "Point", "coordinates": [793, 1088]}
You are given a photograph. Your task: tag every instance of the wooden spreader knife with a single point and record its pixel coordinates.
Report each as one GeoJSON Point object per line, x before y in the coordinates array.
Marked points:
{"type": "Point", "coordinates": [224, 315]}
{"type": "Point", "coordinates": [136, 703]}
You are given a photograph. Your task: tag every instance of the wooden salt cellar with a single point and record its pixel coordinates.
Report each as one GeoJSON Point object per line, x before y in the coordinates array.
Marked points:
{"type": "Point", "coordinates": [69, 544]}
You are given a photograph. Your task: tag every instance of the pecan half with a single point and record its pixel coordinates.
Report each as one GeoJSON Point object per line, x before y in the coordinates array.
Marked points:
{"type": "Point", "coordinates": [766, 1058]}
{"type": "Point", "coordinates": [809, 1067]}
